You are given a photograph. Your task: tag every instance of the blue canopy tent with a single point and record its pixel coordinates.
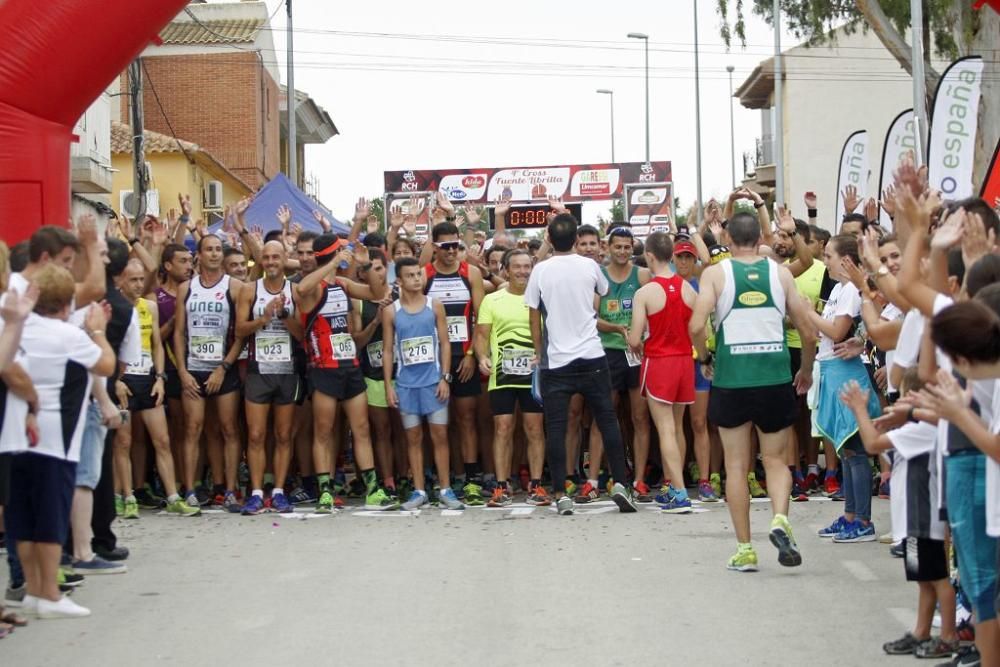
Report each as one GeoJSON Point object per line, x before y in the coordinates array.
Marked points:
{"type": "Point", "coordinates": [280, 191]}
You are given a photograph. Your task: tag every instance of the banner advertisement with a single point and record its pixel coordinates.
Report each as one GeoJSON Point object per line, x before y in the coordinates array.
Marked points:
{"type": "Point", "coordinates": [649, 207]}
{"type": "Point", "coordinates": [853, 170]}
{"type": "Point", "coordinates": [424, 203]}
{"type": "Point", "coordinates": [953, 125]}
{"type": "Point", "coordinates": [990, 191]}
{"type": "Point", "coordinates": [900, 142]}
{"type": "Point", "coordinates": [574, 183]}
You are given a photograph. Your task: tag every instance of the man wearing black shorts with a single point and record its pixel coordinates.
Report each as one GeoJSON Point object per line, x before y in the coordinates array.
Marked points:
{"type": "Point", "coordinates": [748, 297]}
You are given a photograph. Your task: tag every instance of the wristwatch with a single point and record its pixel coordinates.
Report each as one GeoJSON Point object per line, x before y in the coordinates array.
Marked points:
{"type": "Point", "coordinates": [446, 377]}
{"type": "Point", "coordinates": [161, 376]}
{"type": "Point", "coordinates": [226, 366]}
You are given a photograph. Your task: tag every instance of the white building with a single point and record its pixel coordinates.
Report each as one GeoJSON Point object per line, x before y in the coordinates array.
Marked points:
{"type": "Point", "coordinates": [829, 92]}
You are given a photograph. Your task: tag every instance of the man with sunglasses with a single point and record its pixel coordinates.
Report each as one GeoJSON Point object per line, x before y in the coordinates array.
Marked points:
{"type": "Point", "coordinates": [614, 317]}
{"type": "Point", "coordinates": [459, 287]}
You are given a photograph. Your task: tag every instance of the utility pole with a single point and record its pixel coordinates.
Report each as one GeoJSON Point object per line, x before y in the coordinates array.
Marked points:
{"type": "Point", "coordinates": [919, 81]}
{"type": "Point", "coordinates": [732, 131]}
{"type": "Point", "coordinates": [779, 115]}
{"type": "Point", "coordinates": [697, 117]}
{"type": "Point", "coordinates": [293, 148]}
{"type": "Point", "coordinates": [139, 175]}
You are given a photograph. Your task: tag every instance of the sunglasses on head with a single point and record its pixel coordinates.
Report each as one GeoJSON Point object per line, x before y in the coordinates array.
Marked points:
{"type": "Point", "coordinates": [620, 231]}
{"type": "Point", "coordinates": [448, 245]}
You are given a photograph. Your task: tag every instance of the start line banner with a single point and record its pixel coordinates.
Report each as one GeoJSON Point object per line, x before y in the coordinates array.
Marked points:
{"type": "Point", "coordinates": [574, 183]}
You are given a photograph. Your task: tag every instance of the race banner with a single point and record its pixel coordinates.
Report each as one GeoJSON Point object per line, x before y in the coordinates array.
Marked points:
{"type": "Point", "coordinates": [954, 121]}
{"type": "Point", "coordinates": [574, 183]}
{"type": "Point", "coordinates": [423, 201]}
{"type": "Point", "coordinates": [649, 207]}
{"type": "Point", "coordinates": [900, 142]}
{"type": "Point", "coordinates": [990, 192]}
{"type": "Point", "coordinates": [853, 170]}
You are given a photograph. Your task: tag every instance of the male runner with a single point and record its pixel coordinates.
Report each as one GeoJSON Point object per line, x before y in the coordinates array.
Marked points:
{"type": "Point", "coordinates": [324, 307]}
{"type": "Point", "coordinates": [302, 434]}
{"type": "Point", "coordinates": [203, 333]}
{"type": "Point", "coordinates": [505, 351]}
{"type": "Point", "coordinates": [565, 290]}
{"type": "Point", "coordinates": [667, 372]}
{"type": "Point", "coordinates": [265, 316]}
{"type": "Point", "coordinates": [415, 332]}
{"type": "Point", "coordinates": [459, 287]}
{"type": "Point", "coordinates": [614, 319]}
{"type": "Point", "coordinates": [752, 384]}
{"type": "Point", "coordinates": [141, 391]}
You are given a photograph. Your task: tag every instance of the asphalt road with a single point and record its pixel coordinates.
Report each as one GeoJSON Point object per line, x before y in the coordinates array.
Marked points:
{"type": "Point", "coordinates": [501, 587]}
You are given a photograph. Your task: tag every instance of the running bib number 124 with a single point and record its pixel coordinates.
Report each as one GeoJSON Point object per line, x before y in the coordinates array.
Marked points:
{"type": "Point", "coordinates": [516, 362]}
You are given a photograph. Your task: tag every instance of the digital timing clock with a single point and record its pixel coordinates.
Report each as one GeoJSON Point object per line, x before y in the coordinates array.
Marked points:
{"type": "Point", "coordinates": [531, 216]}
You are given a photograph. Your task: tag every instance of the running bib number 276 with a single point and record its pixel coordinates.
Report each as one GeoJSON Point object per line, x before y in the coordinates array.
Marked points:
{"type": "Point", "coordinates": [419, 350]}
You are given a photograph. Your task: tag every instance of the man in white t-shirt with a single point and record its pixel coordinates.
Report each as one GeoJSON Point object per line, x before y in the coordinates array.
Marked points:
{"type": "Point", "coordinates": [59, 358]}
{"type": "Point", "coordinates": [565, 290]}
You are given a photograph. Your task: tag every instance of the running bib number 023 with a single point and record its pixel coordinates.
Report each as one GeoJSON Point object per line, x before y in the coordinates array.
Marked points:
{"type": "Point", "coordinates": [458, 329]}
{"type": "Point", "coordinates": [516, 362]}
{"type": "Point", "coordinates": [343, 346]}
{"type": "Point", "coordinates": [419, 350]}
{"type": "Point", "coordinates": [207, 348]}
{"type": "Point", "coordinates": [375, 354]}
{"type": "Point", "coordinates": [276, 348]}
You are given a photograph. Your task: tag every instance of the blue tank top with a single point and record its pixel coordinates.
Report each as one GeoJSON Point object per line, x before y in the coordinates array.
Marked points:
{"type": "Point", "coordinates": [416, 346]}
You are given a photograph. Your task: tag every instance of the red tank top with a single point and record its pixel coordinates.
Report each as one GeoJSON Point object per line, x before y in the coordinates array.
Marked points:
{"type": "Point", "coordinates": [668, 328]}
{"type": "Point", "coordinates": [328, 341]}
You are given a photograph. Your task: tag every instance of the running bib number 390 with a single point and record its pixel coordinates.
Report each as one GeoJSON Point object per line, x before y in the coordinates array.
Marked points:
{"type": "Point", "coordinates": [274, 349]}
{"type": "Point", "coordinates": [343, 346]}
{"type": "Point", "coordinates": [419, 350]}
{"type": "Point", "coordinates": [207, 348]}
{"type": "Point", "coordinates": [458, 329]}
{"type": "Point", "coordinates": [516, 362]}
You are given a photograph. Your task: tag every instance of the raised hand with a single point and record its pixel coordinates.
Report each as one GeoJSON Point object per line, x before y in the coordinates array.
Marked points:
{"type": "Point", "coordinates": [853, 396]}
{"type": "Point", "coordinates": [949, 234]}
{"type": "Point", "coordinates": [242, 205]}
{"type": "Point", "coordinates": [784, 219]}
{"type": "Point", "coordinates": [361, 254]}
{"type": "Point", "coordinates": [502, 206]}
{"type": "Point", "coordinates": [396, 217]}
{"type": "Point", "coordinates": [888, 201]}
{"type": "Point", "coordinates": [869, 250]}
{"type": "Point", "coordinates": [160, 233]}
{"type": "Point", "coordinates": [908, 176]}
{"type": "Point", "coordinates": [373, 225]}
{"type": "Point", "coordinates": [15, 308]}
{"type": "Point", "coordinates": [854, 273]}
{"type": "Point", "coordinates": [850, 197]}
{"type": "Point", "coordinates": [556, 204]}
{"type": "Point", "coordinates": [871, 210]}
{"type": "Point", "coordinates": [86, 229]}
{"type": "Point", "coordinates": [185, 202]}
{"type": "Point", "coordinates": [444, 204]}
{"type": "Point", "coordinates": [284, 216]}
{"type": "Point", "coordinates": [473, 215]}
{"type": "Point", "coordinates": [810, 199]}
{"type": "Point", "coordinates": [361, 209]}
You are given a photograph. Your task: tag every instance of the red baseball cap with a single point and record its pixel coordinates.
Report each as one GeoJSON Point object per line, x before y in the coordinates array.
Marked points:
{"type": "Point", "coordinates": [685, 246]}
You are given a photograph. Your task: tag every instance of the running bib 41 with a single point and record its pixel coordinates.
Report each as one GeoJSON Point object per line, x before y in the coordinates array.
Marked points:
{"type": "Point", "coordinates": [458, 329]}
{"type": "Point", "coordinates": [207, 348]}
{"type": "Point", "coordinates": [274, 348]}
{"type": "Point", "coordinates": [419, 350]}
{"type": "Point", "coordinates": [342, 345]}
{"type": "Point", "coordinates": [515, 361]}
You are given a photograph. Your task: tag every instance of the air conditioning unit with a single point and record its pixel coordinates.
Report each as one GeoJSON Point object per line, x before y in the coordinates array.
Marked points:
{"type": "Point", "coordinates": [213, 195]}
{"type": "Point", "coordinates": [128, 203]}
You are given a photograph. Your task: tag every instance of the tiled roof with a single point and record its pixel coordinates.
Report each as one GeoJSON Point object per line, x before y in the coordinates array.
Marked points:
{"type": "Point", "coordinates": [121, 141]}
{"type": "Point", "coordinates": [230, 31]}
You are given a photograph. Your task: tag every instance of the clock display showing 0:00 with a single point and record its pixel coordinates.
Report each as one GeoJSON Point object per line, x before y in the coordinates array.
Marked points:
{"type": "Point", "coordinates": [528, 217]}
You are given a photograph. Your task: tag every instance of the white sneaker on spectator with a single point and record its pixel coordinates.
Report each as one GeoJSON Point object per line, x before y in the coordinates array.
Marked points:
{"type": "Point", "coordinates": [64, 608]}
{"type": "Point", "coordinates": [29, 604]}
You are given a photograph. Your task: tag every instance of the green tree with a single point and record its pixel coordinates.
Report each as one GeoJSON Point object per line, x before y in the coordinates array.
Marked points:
{"type": "Point", "coordinates": [951, 27]}
{"type": "Point", "coordinates": [378, 209]}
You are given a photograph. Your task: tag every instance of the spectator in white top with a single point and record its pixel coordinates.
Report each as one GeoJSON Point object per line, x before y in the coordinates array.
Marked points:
{"type": "Point", "coordinates": [82, 254]}
{"type": "Point", "coordinates": [59, 356]}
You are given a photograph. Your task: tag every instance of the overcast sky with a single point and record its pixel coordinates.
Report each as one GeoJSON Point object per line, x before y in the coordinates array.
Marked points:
{"type": "Point", "coordinates": [450, 84]}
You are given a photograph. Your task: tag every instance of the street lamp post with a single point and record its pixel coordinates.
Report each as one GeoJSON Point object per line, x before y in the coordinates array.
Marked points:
{"type": "Point", "coordinates": [611, 95]}
{"type": "Point", "coordinates": [697, 117]}
{"type": "Point", "coordinates": [645, 38]}
{"type": "Point", "coordinates": [732, 132]}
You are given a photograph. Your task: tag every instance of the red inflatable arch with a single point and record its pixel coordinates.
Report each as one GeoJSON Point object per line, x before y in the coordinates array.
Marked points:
{"type": "Point", "coordinates": [57, 58]}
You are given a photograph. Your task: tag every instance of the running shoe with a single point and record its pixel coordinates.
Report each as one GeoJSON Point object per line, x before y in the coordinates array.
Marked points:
{"type": "Point", "coordinates": [898, 550]}
{"type": "Point", "coordinates": [715, 479]}
{"type": "Point", "coordinates": [706, 493]}
{"type": "Point", "coordinates": [856, 532]}
{"type": "Point", "coordinates": [380, 500]}
{"type": "Point", "coordinates": [756, 490]}
{"type": "Point", "coordinates": [499, 498]}
{"type": "Point", "coordinates": [622, 496]}
{"type": "Point", "coordinates": [665, 495]}
{"type": "Point", "coordinates": [905, 645]}
{"type": "Point", "coordinates": [744, 560]}
{"type": "Point", "coordinates": [98, 565]}
{"type": "Point", "coordinates": [338, 502]}
{"type": "Point", "coordinates": [14, 597]}
{"type": "Point", "coordinates": [280, 504]}
{"type": "Point", "coordinates": [148, 500]}
{"type": "Point", "coordinates": [967, 656]}
{"type": "Point", "coordinates": [473, 495]}
{"type": "Point", "coordinates": [798, 492]}
{"type": "Point", "coordinates": [119, 506]}
{"type": "Point", "coordinates": [182, 508]}
{"type": "Point", "coordinates": [886, 538]}
{"type": "Point", "coordinates": [834, 528]}
{"type": "Point", "coordinates": [781, 538]}
{"type": "Point", "coordinates": [447, 498]}
{"type": "Point", "coordinates": [570, 488]}
{"type": "Point", "coordinates": [192, 500]}
{"type": "Point", "coordinates": [831, 486]}
{"type": "Point", "coordinates": [417, 499]}
{"type": "Point", "coordinates": [253, 506]}
{"type": "Point", "coordinates": [230, 503]}
{"type": "Point", "coordinates": [642, 492]}
{"type": "Point", "coordinates": [935, 647]}
{"type": "Point", "coordinates": [203, 495]}
{"type": "Point", "coordinates": [538, 496]}
{"type": "Point", "coordinates": [62, 608]}
{"type": "Point", "coordinates": [356, 489]}
{"type": "Point", "coordinates": [587, 493]}
{"type": "Point", "coordinates": [68, 580]}
{"type": "Point", "coordinates": [325, 504]}
{"type": "Point", "coordinates": [302, 495]}
{"type": "Point", "coordinates": [405, 488]}
{"type": "Point", "coordinates": [677, 505]}
{"type": "Point", "coordinates": [564, 506]}
{"type": "Point", "coordinates": [131, 508]}
{"type": "Point", "coordinates": [812, 484]}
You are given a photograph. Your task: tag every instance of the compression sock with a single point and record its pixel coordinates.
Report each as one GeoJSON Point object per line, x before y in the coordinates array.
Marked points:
{"type": "Point", "coordinates": [474, 473]}
{"type": "Point", "coordinates": [324, 483]}
{"type": "Point", "coordinates": [371, 481]}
